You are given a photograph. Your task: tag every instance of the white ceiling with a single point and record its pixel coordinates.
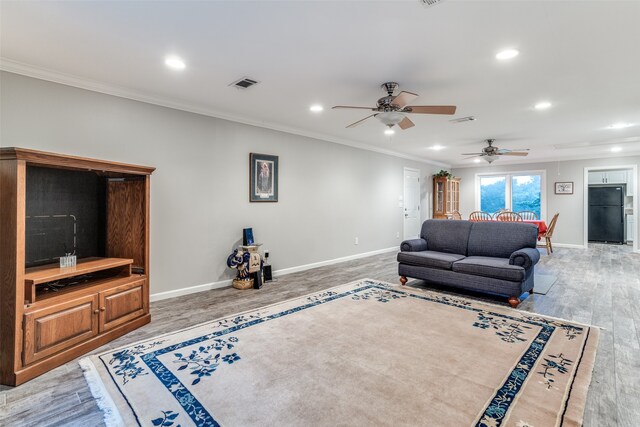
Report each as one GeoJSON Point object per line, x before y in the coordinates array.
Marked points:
{"type": "Point", "coordinates": [580, 55]}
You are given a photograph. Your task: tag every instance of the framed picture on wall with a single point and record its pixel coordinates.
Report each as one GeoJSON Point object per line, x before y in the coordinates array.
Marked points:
{"type": "Point", "coordinates": [263, 178]}
{"type": "Point", "coordinates": [564, 187]}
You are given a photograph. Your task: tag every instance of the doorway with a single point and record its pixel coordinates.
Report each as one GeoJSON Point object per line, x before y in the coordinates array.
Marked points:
{"type": "Point", "coordinates": [411, 224]}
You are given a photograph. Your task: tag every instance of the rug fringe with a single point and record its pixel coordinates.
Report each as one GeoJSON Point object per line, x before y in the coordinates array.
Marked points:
{"type": "Point", "coordinates": [109, 410]}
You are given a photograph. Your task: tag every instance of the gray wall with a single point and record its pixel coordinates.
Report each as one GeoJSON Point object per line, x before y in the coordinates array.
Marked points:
{"type": "Point", "coordinates": [570, 227]}
{"type": "Point", "coordinates": [329, 193]}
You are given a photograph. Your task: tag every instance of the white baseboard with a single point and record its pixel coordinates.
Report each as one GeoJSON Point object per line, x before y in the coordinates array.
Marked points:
{"type": "Point", "coordinates": [190, 290]}
{"type": "Point", "coordinates": [225, 283]}
{"type": "Point", "coordinates": [333, 261]}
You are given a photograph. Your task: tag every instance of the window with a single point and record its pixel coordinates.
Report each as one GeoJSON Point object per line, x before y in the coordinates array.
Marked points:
{"type": "Point", "coordinates": [517, 191]}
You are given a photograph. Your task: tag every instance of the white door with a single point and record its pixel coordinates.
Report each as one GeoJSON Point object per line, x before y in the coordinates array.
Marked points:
{"type": "Point", "coordinates": [411, 203]}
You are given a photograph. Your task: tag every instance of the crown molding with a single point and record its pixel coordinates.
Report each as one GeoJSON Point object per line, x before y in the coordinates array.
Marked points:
{"type": "Point", "coordinates": [41, 73]}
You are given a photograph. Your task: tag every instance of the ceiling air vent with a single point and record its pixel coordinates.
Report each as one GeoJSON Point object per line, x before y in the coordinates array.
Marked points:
{"type": "Point", "coordinates": [429, 3]}
{"type": "Point", "coordinates": [244, 83]}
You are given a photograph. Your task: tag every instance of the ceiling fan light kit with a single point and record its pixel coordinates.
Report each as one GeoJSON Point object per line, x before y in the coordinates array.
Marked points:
{"type": "Point", "coordinates": [491, 158]}
{"type": "Point", "coordinates": [390, 118]}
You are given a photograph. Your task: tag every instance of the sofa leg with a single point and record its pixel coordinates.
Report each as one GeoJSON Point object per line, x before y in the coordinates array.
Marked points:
{"type": "Point", "coordinates": [514, 301]}
{"type": "Point", "coordinates": [403, 280]}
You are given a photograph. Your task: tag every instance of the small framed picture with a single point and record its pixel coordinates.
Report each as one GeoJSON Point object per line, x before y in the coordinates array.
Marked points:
{"type": "Point", "coordinates": [564, 187]}
{"type": "Point", "coordinates": [263, 179]}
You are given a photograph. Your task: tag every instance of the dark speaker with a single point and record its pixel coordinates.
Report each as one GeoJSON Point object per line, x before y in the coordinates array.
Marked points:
{"type": "Point", "coordinates": [257, 280]}
{"type": "Point", "coordinates": [267, 273]}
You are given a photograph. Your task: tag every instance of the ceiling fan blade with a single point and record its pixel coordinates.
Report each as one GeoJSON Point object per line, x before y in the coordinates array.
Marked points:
{"type": "Point", "coordinates": [431, 109]}
{"type": "Point", "coordinates": [472, 154]}
{"type": "Point", "coordinates": [473, 157]}
{"type": "Point", "coordinates": [403, 98]}
{"type": "Point", "coordinates": [406, 123]}
{"type": "Point", "coordinates": [352, 125]}
{"type": "Point", "coordinates": [357, 108]}
{"type": "Point", "coordinates": [514, 153]}
{"type": "Point", "coordinates": [506, 150]}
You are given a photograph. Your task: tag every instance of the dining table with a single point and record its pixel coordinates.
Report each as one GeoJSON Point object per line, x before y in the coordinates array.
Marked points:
{"type": "Point", "coordinates": [541, 224]}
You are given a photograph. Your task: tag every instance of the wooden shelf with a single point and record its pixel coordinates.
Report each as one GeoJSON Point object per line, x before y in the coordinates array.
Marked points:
{"type": "Point", "coordinates": [41, 275]}
{"type": "Point", "coordinates": [86, 288]}
{"type": "Point", "coordinates": [53, 272]}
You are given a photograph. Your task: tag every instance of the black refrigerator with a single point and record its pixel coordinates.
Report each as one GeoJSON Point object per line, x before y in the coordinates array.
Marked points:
{"type": "Point", "coordinates": [606, 214]}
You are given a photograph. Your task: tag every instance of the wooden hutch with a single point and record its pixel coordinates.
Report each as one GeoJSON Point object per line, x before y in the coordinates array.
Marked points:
{"type": "Point", "coordinates": [48, 314]}
{"type": "Point", "coordinates": [446, 197]}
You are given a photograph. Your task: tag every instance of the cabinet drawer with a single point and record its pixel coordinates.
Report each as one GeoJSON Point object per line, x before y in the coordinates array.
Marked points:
{"type": "Point", "coordinates": [53, 329]}
{"type": "Point", "coordinates": [123, 304]}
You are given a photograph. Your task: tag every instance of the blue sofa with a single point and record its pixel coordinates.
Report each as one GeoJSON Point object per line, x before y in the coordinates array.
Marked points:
{"type": "Point", "coordinates": [492, 257]}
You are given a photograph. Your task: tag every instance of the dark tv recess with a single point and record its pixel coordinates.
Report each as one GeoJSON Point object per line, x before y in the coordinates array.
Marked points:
{"type": "Point", "coordinates": [65, 213]}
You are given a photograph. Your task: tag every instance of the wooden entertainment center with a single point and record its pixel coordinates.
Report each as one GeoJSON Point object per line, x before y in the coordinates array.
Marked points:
{"type": "Point", "coordinates": [49, 314]}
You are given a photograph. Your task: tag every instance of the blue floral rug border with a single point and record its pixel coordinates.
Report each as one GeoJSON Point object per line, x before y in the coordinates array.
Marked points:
{"type": "Point", "coordinates": [496, 410]}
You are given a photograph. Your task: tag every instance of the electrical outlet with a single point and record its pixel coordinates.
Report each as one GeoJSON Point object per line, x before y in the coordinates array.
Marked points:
{"type": "Point", "coordinates": [397, 235]}
{"type": "Point", "coordinates": [356, 242]}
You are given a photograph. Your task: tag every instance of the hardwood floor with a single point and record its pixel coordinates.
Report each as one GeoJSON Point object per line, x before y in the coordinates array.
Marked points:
{"type": "Point", "coordinates": [599, 286]}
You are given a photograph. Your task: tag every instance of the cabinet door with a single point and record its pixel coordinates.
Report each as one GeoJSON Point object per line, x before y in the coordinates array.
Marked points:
{"type": "Point", "coordinates": [596, 177]}
{"type": "Point", "coordinates": [126, 220]}
{"type": "Point", "coordinates": [123, 304]}
{"type": "Point", "coordinates": [616, 177]}
{"type": "Point", "coordinates": [630, 183]}
{"type": "Point", "coordinates": [455, 196]}
{"type": "Point", "coordinates": [631, 229]}
{"type": "Point", "coordinates": [438, 194]}
{"type": "Point", "coordinates": [56, 328]}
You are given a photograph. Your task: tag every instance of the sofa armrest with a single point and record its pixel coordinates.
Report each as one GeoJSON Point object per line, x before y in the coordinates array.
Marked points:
{"type": "Point", "coordinates": [413, 245]}
{"type": "Point", "coordinates": [526, 258]}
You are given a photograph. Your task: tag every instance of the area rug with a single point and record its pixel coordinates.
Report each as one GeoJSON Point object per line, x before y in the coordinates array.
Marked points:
{"type": "Point", "coordinates": [365, 353]}
{"type": "Point", "coordinates": [543, 283]}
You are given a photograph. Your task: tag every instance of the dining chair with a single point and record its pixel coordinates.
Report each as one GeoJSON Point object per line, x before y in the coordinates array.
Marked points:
{"type": "Point", "coordinates": [480, 216]}
{"type": "Point", "coordinates": [456, 215]}
{"type": "Point", "coordinates": [529, 215]}
{"type": "Point", "coordinates": [508, 217]}
{"type": "Point", "coordinates": [549, 233]}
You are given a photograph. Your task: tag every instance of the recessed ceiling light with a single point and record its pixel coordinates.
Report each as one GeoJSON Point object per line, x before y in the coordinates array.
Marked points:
{"type": "Point", "coordinates": [437, 147]}
{"type": "Point", "coordinates": [174, 63]}
{"type": "Point", "coordinates": [316, 108]}
{"type": "Point", "coordinates": [616, 149]}
{"type": "Point", "coordinates": [389, 131]}
{"type": "Point", "coordinates": [620, 125]}
{"type": "Point", "coordinates": [476, 160]}
{"type": "Point", "coordinates": [507, 54]}
{"type": "Point", "coordinates": [543, 105]}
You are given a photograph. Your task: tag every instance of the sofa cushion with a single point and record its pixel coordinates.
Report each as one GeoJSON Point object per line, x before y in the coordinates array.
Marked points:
{"type": "Point", "coordinates": [497, 268]}
{"type": "Point", "coordinates": [448, 236]}
{"type": "Point", "coordinates": [500, 239]}
{"type": "Point", "coordinates": [429, 259]}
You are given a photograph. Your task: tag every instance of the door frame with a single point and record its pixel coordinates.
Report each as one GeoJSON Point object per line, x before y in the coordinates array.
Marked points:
{"type": "Point", "coordinates": [404, 198]}
{"type": "Point", "coordinates": [587, 169]}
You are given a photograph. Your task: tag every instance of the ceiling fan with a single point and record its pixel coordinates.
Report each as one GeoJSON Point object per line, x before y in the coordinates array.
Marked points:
{"type": "Point", "coordinates": [491, 153]}
{"type": "Point", "coordinates": [391, 110]}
